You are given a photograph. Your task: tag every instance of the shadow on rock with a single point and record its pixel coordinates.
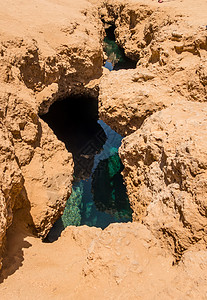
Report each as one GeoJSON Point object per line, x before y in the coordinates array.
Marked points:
{"type": "Point", "coordinates": [22, 227]}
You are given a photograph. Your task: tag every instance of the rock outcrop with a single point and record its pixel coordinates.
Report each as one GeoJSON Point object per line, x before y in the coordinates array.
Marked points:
{"type": "Point", "coordinates": [128, 97]}
{"type": "Point", "coordinates": [124, 261]}
{"type": "Point", "coordinates": [171, 50]}
{"type": "Point", "coordinates": [11, 181]}
{"type": "Point", "coordinates": [165, 182]}
{"type": "Point", "coordinates": [36, 168]}
{"type": "Point", "coordinates": [48, 51]}
{"type": "Point", "coordinates": [56, 51]}
{"type": "Point", "coordinates": [165, 173]}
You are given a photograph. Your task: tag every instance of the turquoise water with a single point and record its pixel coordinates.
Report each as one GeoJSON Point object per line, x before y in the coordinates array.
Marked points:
{"type": "Point", "coordinates": [115, 54]}
{"type": "Point", "coordinates": [101, 198]}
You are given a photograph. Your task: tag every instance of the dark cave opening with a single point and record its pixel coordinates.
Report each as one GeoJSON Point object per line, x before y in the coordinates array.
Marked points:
{"type": "Point", "coordinates": [99, 195]}
{"type": "Point", "coordinates": [74, 122]}
{"type": "Point", "coordinates": [110, 28]}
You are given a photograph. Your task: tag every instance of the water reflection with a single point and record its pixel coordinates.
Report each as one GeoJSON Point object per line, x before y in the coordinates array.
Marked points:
{"type": "Point", "coordinates": [109, 192]}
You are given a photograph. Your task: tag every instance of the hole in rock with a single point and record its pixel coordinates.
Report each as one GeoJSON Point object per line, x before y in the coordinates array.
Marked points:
{"type": "Point", "coordinates": [98, 196]}
{"type": "Point", "coordinates": [116, 58]}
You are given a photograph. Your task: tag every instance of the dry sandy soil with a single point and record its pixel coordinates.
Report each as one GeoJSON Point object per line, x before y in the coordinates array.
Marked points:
{"type": "Point", "coordinates": [124, 261]}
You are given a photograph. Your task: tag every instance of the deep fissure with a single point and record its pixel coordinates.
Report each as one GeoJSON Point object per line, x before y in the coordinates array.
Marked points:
{"type": "Point", "coordinates": [98, 196]}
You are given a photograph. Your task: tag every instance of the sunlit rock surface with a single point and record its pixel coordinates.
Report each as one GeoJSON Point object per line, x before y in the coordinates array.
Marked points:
{"type": "Point", "coordinates": [48, 50]}
{"type": "Point", "coordinates": [52, 48]}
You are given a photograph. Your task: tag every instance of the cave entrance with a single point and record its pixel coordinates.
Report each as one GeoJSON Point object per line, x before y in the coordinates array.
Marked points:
{"type": "Point", "coordinates": [98, 195]}
{"type": "Point", "coordinates": [116, 58]}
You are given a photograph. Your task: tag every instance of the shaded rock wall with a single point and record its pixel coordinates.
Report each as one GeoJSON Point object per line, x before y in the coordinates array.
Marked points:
{"type": "Point", "coordinates": [11, 182]}
{"type": "Point", "coordinates": [36, 168]}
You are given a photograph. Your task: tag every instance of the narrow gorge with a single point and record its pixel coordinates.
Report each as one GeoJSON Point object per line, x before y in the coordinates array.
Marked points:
{"type": "Point", "coordinates": [103, 151]}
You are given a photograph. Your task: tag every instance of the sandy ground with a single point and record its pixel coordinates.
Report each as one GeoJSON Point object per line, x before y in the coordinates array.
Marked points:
{"type": "Point", "coordinates": [40, 20]}
{"type": "Point", "coordinates": [121, 262]}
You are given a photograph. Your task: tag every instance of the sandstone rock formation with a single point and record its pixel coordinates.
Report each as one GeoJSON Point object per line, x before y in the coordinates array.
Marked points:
{"type": "Point", "coordinates": [52, 49]}
{"type": "Point", "coordinates": [11, 181]}
{"type": "Point", "coordinates": [172, 69]}
{"type": "Point", "coordinates": [48, 51]}
{"type": "Point", "coordinates": [165, 173]}
{"type": "Point", "coordinates": [127, 97]}
{"type": "Point", "coordinates": [152, 33]}
{"type": "Point", "coordinates": [171, 49]}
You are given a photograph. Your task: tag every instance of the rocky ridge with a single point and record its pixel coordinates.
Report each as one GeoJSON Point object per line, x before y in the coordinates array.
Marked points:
{"type": "Point", "coordinates": [171, 67]}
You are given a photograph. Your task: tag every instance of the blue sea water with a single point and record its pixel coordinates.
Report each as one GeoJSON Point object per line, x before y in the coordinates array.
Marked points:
{"type": "Point", "coordinates": [116, 58]}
